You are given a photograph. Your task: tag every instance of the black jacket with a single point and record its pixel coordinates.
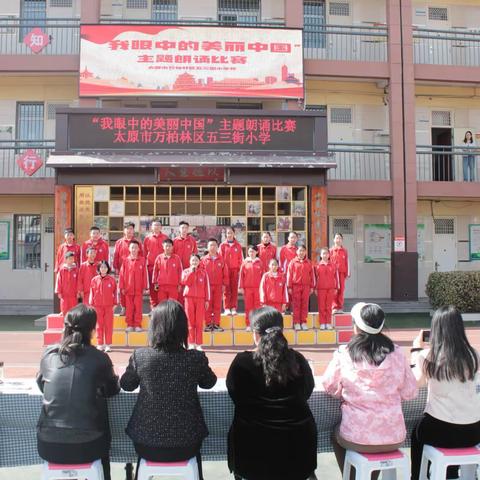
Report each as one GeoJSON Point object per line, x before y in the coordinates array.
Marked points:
{"type": "Point", "coordinates": [273, 435]}
{"type": "Point", "coordinates": [74, 396]}
{"type": "Point", "coordinates": [168, 412]}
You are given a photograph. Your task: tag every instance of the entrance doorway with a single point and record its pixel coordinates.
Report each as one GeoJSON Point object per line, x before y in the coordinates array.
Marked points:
{"type": "Point", "coordinates": [442, 165]}
{"type": "Point", "coordinates": [444, 245]}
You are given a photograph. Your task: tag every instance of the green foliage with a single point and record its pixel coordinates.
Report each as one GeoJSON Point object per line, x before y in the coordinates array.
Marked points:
{"type": "Point", "coordinates": [461, 289]}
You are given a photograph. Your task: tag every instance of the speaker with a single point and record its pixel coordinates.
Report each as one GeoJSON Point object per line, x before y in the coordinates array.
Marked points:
{"type": "Point", "coordinates": [404, 275]}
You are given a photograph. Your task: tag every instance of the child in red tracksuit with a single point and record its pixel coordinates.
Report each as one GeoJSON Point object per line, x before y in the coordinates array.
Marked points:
{"type": "Point", "coordinates": [68, 246]}
{"type": "Point", "coordinates": [232, 253]}
{"type": "Point", "coordinates": [289, 251]}
{"type": "Point", "coordinates": [184, 245]}
{"type": "Point", "coordinates": [273, 288]}
{"type": "Point", "coordinates": [300, 284]}
{"type": "Point", "coordinates": [167, 274]}
{"type": "Point", "coordinates": [103, 297]}
{"type": "Point", "coordinates": [339, 257]}
{"type": "Point", "coordinates": [266, 250]}
{"type": "Point", "coordinates": [133, 284]}
{"type": "Point", "coordinates": [197, 296]}
{"type": "Point", "coordinates": [66, 285]}
{"type": "Point", "coordinates": [86, 272]}
{"type": "Point", "coordinates": [251, 274]}
{"type": "Point", "coordinates": [327, 284]}
{"type": "Point", "coordinates": [217, 272]}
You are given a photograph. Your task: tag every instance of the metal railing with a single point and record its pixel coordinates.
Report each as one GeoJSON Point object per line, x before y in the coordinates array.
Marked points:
{"type": "Point", "coordinates": [359, 161]}
{"type": "Point", "coordinates": [437, 163]}
{"type": "Point", "coordinates": [199, 21]}
{"type": "Point", "coordinates": [11, 150]}
{"type": "Point", "coordinates": [446, 47]}
{"type": "Point", "coordinates": [63, 36]}
{"type": "Point", "coordinates": [341, 42]}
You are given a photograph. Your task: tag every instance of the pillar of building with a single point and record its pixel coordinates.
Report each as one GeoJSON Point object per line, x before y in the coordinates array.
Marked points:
{"type": "Point", "coordinates": [404, 265]}
{"type": "Point", "coordinates": [318, 220]}
{"type": "Point", "coordinates": [293, 13]}
{"type": "Point", "coordinates": [90, 11]}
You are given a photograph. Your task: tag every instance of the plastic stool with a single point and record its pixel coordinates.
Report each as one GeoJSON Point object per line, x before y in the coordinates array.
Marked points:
{"type": "Point", "coordinates": [441, 458]}
{"type": "Point", "coordinates": [187, 469]}
{"type": "Point", "coordinates": [366, 463]}
{"type": "Point", "coordinates": [83, 471]}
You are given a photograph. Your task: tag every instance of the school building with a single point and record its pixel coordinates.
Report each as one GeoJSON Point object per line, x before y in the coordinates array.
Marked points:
{"type": "Point", "coordinates": [390, 88]}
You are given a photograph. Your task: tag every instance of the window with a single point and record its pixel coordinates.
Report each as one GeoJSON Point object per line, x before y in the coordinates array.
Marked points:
{"type": "Point", "coordinates": [52, 109]}
{"type": "Point", "coordinates": [438, 14]}
{"type": "Point", "coordinates": [339, 9]}
{"type": "Point", "coordinates": [240, 106]}
{"type": "Point", "coordinates": [28, 242]}
{"type": "Point", "coordinates": [441, 118]}
{"type": "Point", "coordinates": [61, 3]}
{"type": "Point", "coordinates": [444, 226]}
{"type": "Point", "coordinates": [137, 4]}
{"type": "Point", "coordinates": [238, 12]}
{"type": "Point", "coordinates": [164, 10]}
{"type": "Point", "coordinates": [341, 115]}
{"type": "Point", "coordinates": [32, 12]}
{"type": "Point", "coordinates": [343, 226]}
{"type": "Point", "coordinates": [314, 23]}
{"type": "Point", "coordinates": [29, 121]}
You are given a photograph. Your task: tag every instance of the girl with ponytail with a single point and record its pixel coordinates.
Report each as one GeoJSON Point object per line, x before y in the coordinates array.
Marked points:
{"type": "Point", "coordinates": [273, 435]}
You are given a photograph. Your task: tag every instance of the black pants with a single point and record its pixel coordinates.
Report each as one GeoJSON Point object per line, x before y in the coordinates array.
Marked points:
{"type": "Point", "coordinates": [65, 453]}
{"type": "Point", "coordinates": [434, 432]}
{"type": "Point", "coordinates": [179, 454]}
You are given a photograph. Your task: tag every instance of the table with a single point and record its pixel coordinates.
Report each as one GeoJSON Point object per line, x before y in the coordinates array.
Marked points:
{"type": "Point", "coordinates": [20, 404]}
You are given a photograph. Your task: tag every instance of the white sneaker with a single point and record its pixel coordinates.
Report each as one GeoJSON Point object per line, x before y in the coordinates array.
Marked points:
{"type": "Point", "coordinates": [227, 311]}
{"type": "Point", "coordinates": [322, 326]}
{"type": "Point", "coordinates": [248, 329]}
{"type": "Point", "coordinates": [199, 348]}
{"type": "Point", "coordinates": [297, 326]}
{"type": "Point", "coordinates": [129, 329]}
{"type": "Point", "coordinates": [138, 329]}
{"type": "Point", "coordinates": [329, 326]}
{"type": "Point", "coordinates": [107, 348]}
{"type": "Point", "coordinates": [234, 311]}
{"type": "Point", "coordinates": [191, 346]}
{"type": "Point", "coordinates": [100, 347]}
{"type": "Point", "coordinates": [304, 326]}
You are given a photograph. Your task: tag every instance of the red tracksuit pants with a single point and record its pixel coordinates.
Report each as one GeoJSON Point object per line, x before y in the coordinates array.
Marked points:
{"type": "Point", "coordinates": [66, 303]}
{"type": "Point", "coordinates": [104, 324]}
{"type": "Point", "coordinates": [215, 305]}
{"type": "Point", "coordinates": [299, 302]}
{"type": "Point", "coordinates": [339, 297]}
{"type": "Point", "coordinates": [325, 301]}
{"type": "Point", "coordinates": [85, 298]}
{"type": "Point", "coordinates": [230, 297]}
{"type": "Point", "coordinates": [195, 310]}
{"type": "Point", "coordinates": [153, 294]}
{"type": "Point", "coordinates": [252, 301]}
{"type": "Point", "coordinates": [167, 292]}
{"type": "Point", "coordinates": [133, 310]}
{"type": "Point", "coordinates": [277, 306]}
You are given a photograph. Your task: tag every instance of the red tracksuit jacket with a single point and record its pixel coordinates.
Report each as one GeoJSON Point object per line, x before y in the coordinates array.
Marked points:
{"type": "Point", "coordinates": [216, 269]}
{"type": "Point", "coordinates": [101, 246]}
{"type": "Point", "coordinates": [85, 274]}
{"type": "Point", "coordinates": [339, 257]}
{"type": "Point", "coordinates": [273, 288]}
{"type": "Point", "coordinates": [103, 291]}
{"type": "Point", "coordinates": [153, 247]}
{"type": "Point", "coordinates": [196, 283]}
{"type": "Point", "coordinates": [67, 282]}
{"type": "Point", "coordinates": [62, 250]}
{"type": "Point", "coordinates": [266, 253]}
{"type": "Point", "coordinates": [133, 276]}
{"type": "Point", "coordinates": [232, 254]}
{"type": "Point", "coordinates": [287, 254]}
{"type": "Point", "coordinates": [300, 272]}
{"type": "Point", "coordinates": [121, 251]}
{"type": "Point", "coordinates": [251, 273]}
{"type": "Point", "coordinates": [326, 276]}
{"type": "Point", "coordinates": [167, 270]}
{"type": "Point", "coordinates": [184, 247]}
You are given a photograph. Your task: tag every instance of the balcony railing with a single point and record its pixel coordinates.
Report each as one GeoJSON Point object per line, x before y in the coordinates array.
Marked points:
{"type": "Point", "coordinates": [437, 163]}
{"type": "Point", "coordinates": [359, 161]}
{"type": "Point", "coordinates": [10, 151]}
{"type": "Point", "coordinates": [446, 47]}
{"type": "Point", "coordinates": [197, 21]}
{"type": "Point", "coordinates": [340, 42]}
{"type": "Point", "coordinates": [63, 36]}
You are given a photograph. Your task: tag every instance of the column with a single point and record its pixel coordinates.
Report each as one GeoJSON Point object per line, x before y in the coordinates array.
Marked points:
{"type": "Point", "coordinates": [318, 220]}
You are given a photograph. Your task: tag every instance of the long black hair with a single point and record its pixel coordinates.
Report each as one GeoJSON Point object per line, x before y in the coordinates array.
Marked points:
{"type": "Point", "coordinates": [367, 347]}
{"type": "Point", "coordinates": [168, 329]}
{"type": "Point", "coordinates": [79, 324]}
{"type": "Point", "coordinates": [451, 356]}
{"type": "Point", "coordinates": [465, 140]}
{"type": "Point", "coordinates": [277, 360]}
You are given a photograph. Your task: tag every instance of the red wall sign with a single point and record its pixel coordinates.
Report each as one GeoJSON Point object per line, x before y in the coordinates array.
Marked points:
{"type": "Point", "coordinates": [191, 174]}
{"type": "Point", "coordinates": [36, 40]}
{"type": "Point", "coordinates": [29, 162]}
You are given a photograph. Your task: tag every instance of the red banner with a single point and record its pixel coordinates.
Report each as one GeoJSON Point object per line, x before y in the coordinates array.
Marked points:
{"type": "Point", "coordinates": [191, 174]}
{"type": "Point", "coordinates": [190, 61]}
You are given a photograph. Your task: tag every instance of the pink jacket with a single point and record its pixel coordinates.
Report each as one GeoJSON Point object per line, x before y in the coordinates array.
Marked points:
{"type": "Point", "coordinates": [371, 396]}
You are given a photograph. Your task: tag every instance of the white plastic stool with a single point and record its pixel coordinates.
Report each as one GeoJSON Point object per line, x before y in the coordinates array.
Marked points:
{"type": "Point", "coordinates": [442, 458]}
{"type": "Point", "coordinates": [83, 471]}
{"type": "Point", "coordinates": [187, 469]}
{"type": "Point", "coordinates": [366, 463]}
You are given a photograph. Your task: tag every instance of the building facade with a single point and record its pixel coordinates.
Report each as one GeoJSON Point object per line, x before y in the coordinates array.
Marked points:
{"type": "Point", "coordinates": [396, 80]}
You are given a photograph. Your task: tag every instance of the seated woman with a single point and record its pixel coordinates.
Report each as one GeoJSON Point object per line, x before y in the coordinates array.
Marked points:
{"type": "Point", "coordinates": [449, 368]}
{"type": "Point", "coordinates": [273, 435]}
{"type": "Point", "coordinates": [371, 376]}
{"type": "Point", "coordinates": [75, 379]}
{"type": "Point", "coordinates": [167, 423]}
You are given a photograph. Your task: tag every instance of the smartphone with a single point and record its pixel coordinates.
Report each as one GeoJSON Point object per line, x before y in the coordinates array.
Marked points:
{"type": "Point", "coordinates": [426, 336]}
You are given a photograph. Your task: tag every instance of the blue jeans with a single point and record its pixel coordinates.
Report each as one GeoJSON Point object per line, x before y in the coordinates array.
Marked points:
{"type": "Point", "coordinates": [469, 168]}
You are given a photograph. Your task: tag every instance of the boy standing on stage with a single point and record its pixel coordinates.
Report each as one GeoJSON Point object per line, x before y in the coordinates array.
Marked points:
{"type": "Point", "coordinates": [70, 245]}
{"type": "Point", "coordinates": [96, 241]}
{"type": "Point", "coordinates": [167, 274]}
{"type": "Point", "coordinates": [66, 284]}
{"type": "Point", "coordinates": [289, 251]}
{"type": "Point", "coordinates": [86, 272]}
{"type": "Point", "coordinates": [184, 245]}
